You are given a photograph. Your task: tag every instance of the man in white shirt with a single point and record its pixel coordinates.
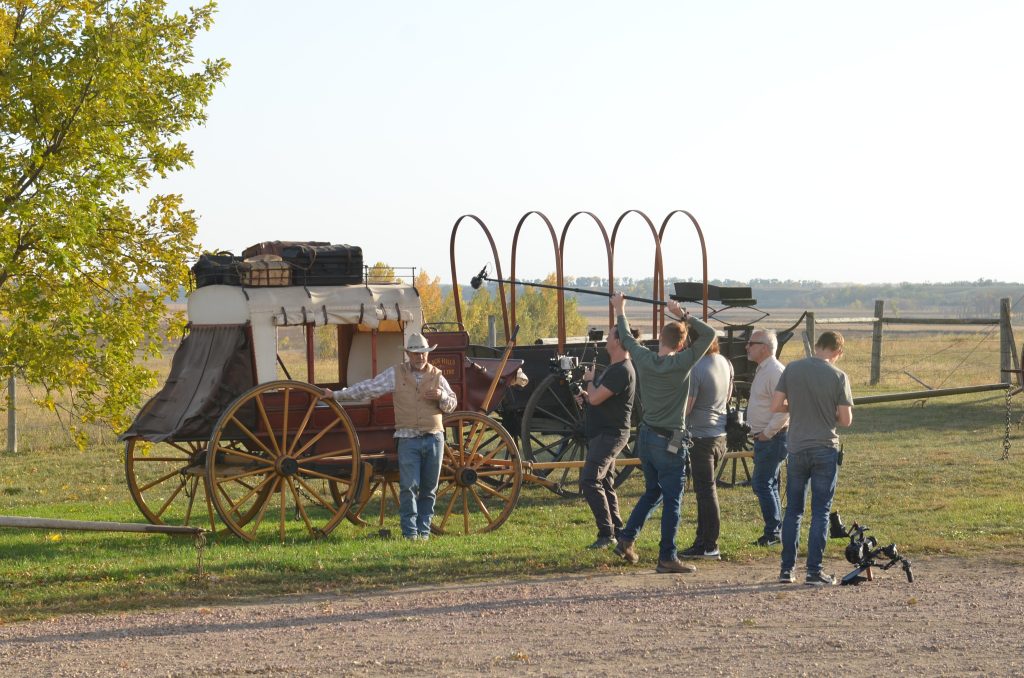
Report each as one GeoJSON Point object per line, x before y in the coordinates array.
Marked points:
{"type": "Point", "coordinates": [769, 431]}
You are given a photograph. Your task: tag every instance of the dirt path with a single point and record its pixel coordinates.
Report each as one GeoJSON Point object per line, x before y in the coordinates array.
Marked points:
{"type": "Point", "coordinates": [957, 618]}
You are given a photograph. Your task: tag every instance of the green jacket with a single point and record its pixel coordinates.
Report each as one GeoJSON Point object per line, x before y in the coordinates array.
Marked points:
{"type": "Point", "coordinates": [664, 381]}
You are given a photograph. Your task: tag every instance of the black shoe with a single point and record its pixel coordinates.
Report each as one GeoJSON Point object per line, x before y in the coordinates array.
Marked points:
{"type": "Point", "coordinates": [820, 579]}
{"type": "Point", "coordinates": [698, 551]}
{"type": "Point", "coordinates": [786, 577]}
{"type": "Point", "coordinates": [603, 543]}
{"type": "Point", "coordinates": [767, 541]}
{"type": "Point", "coordinates": [695, 551]}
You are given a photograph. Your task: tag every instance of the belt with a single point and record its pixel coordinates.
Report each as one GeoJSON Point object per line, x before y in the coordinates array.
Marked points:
{"type": "Point", "coordinates": [663, 432]}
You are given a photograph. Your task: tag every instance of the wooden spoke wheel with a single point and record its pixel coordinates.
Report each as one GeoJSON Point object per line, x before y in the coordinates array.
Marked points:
{"type": "Point", "coordinates": [481, 475]}
{"type": "Point", "coordinates": [297, 454]}
{"type": "Point", "coordinates": [553, 433]}
{"type": "Point", "coordinates": [167, 481]}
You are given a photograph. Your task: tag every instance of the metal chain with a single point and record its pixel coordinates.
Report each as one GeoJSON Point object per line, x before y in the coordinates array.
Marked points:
{"type": "Point", "coordinates": [309, 498]}
{"type": "Point", "coordinates": [1006, 435]}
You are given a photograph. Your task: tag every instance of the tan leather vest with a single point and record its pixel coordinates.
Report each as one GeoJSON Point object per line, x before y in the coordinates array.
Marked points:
{"type": "Point", "coordinates": [411, 409]}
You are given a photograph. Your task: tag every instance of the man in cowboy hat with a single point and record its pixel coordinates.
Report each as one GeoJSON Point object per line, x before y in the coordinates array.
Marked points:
{"type": "Point", "coordinates": [422, 395]}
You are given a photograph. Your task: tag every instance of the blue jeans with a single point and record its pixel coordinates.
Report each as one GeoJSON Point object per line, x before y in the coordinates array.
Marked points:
{"type": "Point", "coordinates": [818, 469]}
{"type": "Point", "coordinates": [419, 467]}
{"type": "Point", "coordinates": [664, 477]}
{"type": "Point", "coordinates": [768, 457]}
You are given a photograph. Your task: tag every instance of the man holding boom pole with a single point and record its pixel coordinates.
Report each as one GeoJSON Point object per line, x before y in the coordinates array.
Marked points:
{"type": "Point", "coordinates": [662, 444]}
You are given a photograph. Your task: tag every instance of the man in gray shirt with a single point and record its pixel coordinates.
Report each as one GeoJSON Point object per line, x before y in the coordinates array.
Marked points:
{"type": "Point", "coordinates": [817, 396]}
{"type": "Point", "coordinates": [706, 408]}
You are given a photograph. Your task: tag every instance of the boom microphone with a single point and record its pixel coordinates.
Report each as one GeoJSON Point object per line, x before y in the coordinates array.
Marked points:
{"type": "Point", "coordinates": [477, 280]}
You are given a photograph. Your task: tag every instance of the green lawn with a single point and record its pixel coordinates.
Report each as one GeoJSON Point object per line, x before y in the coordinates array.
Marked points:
{"type": "Point", "coordinates": [929, 478]}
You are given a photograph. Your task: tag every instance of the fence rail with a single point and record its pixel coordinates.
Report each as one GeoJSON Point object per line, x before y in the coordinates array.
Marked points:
{"type": "Point", "coordinates": [1009, 362]}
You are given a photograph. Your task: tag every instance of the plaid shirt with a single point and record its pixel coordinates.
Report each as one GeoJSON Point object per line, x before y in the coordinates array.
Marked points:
{"type": "Point", "coordinates": [384, 383]}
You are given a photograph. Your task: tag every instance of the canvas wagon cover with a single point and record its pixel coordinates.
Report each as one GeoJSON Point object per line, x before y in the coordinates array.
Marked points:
{"type": "Point", "coordinates": [211, 367]}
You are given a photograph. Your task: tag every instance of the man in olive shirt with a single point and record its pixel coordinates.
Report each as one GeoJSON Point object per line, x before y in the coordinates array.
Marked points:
{"type": "Point", "coordinates": [663, 379]}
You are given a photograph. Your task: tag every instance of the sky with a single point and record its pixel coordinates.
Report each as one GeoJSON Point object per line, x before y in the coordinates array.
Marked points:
{"type": "Point", "coordinates": [864, 142]}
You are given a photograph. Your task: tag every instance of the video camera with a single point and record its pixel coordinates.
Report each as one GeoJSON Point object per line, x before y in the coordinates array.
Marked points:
{"type": "Point", "coordinates": [566, 366]}
{"type": "Point", "coordinates": [864, 552]}
{"type": "Point", "coordinates": [737, 431]}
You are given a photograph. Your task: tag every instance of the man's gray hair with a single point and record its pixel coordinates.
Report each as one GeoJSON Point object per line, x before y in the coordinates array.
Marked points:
{"type": "Point", "coordinates": [769, 336]}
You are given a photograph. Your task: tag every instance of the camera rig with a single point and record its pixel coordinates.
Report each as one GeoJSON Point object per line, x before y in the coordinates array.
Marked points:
{"type": "Point", "coordinates": [864, 552]}
{"type": "Point", "coordinates": [566, 366]}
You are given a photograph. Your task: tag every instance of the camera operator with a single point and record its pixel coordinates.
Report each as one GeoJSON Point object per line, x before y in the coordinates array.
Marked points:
{"type": "Point", "coordinates": [817, 396]}
{"type": "Point", "coordinates": [609, 402]}
{"type": "Point", "coordinates": [664, 381]}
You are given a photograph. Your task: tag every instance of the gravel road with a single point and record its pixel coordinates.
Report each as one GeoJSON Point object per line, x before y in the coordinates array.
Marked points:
{"type": "Point", "coordinates": [957, 618]}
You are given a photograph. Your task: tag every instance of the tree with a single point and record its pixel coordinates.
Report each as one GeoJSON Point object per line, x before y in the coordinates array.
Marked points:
{"type": "Point", "coordinates": [380, 273]}
{"type": "Point", "coordinates": [94, 96]}
{"type": "Point", "coordinates": [430, 296]}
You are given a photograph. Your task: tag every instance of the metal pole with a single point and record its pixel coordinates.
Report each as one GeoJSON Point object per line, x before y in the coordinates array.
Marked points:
{"type": "Point", "coordinates": [477, 280]}
{"type": "Point", "coordinates": [12, 415]}
{"type": "Point", "coordinates": [492, 332]}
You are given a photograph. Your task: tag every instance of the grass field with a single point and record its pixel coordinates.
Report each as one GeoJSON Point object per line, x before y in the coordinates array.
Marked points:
{"type": "Point", "coordinates": [928, 477]}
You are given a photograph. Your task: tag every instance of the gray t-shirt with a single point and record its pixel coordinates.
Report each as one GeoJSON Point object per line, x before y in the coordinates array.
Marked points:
{"type": "Point", "coordinates": [814, 388]}
{"type": "Point", "coordinates": [709, 387]}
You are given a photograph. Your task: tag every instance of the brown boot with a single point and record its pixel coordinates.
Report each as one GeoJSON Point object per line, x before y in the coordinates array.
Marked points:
{"type": "Point", "coordinates": [676, 566]}
{"type": "Point", "coordinates": [624, 549]}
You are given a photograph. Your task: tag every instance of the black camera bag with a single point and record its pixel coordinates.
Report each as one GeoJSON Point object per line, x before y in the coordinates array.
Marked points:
{"type": "Point", "coordinates": [325, 264]}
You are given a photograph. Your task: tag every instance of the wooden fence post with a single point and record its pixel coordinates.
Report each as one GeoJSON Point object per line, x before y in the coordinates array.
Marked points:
{"type": "Point", "coordinates": [1007, 357]}
{"type": "Point", "coordinates": [12, 415]}
{"type": "Point", "coordinates": [809, 334]}
{"type": "Point", "coordinates": [876, 344]}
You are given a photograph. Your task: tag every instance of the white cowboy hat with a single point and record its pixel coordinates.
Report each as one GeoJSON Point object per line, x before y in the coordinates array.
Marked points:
{"type": "Point", "coordinates": [417, 343]}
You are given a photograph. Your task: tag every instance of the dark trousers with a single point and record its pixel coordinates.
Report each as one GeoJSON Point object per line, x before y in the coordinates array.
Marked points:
{"type": "Point", "coordinates": [705, 455]}
{"type": "Point", "coordinates": [596, 481]}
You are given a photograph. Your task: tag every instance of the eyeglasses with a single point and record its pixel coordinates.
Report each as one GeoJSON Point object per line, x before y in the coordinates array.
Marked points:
{"type": "Point", "coordinates": [752, 343]}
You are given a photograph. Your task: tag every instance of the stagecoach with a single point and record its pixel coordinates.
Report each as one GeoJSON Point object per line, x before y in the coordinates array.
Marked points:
{"type": "Point", "coordinates": [235, 441]}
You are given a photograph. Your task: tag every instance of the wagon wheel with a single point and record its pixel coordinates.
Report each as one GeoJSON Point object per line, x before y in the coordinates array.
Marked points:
{"type": "Point", "coordinates": [553, 431]}
{"type": "Point", "coordinates": [289, 445]}
{"type": "Point", "coordinates": [481, 475]}
{"type": "Point", "coordinates": [167, 482]}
